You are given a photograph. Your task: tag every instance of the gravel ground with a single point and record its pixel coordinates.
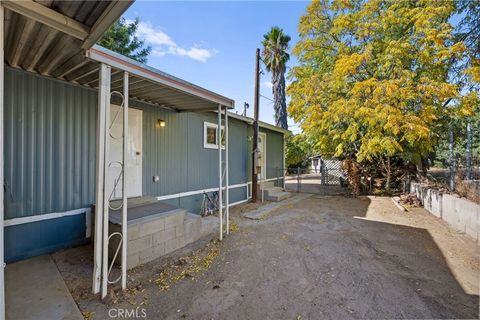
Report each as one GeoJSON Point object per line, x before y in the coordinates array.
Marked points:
{"type": "Point", "coordinates": [321, 258]}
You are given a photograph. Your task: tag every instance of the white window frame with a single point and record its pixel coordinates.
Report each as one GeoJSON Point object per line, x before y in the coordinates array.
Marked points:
{"type": "Point", "coordinates": [207, 145]}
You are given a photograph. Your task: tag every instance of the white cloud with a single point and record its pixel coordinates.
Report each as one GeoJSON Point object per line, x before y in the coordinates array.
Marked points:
{"type": "Point", "coordinates": [267, 84]}
{"type": "Point", "coordinates": [196, 53]}
{"type": "Point", "coordinates": [162, 44]}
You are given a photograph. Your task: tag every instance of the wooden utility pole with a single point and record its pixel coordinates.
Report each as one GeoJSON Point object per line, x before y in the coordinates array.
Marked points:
{"type": "Point", "coordinates": [255, 126]}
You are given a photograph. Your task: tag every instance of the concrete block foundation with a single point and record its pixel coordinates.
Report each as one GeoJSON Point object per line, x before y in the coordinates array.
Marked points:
{"type": "Point", "coordinates": [152, 235]}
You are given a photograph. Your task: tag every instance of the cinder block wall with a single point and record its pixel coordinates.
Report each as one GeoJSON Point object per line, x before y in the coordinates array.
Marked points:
{"type": "Point", "coordinates": [460, 213]}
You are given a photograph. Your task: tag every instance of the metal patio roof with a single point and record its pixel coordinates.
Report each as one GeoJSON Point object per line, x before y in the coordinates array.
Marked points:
{"type": "Point", "coordinates": [56, 39]}
{"type": "Point", "coordinates": [152, 85]}
{"type": "Point", "coordinates": [50, 37]}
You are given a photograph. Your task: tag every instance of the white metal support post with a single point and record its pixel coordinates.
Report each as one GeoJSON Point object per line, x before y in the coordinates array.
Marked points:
{"type": "Point", "coordinates": [219, 143]}
{"type": "Point", "coordinates": [101, 125]}
{"type": "Point", "coordinates": [2, 262]}
{"type": "Point", "coordinates": [124, 181]}
{"type": "Point", "coordinates": [227, 202]}
{"type": "Point", "coordinates": [105, 93]}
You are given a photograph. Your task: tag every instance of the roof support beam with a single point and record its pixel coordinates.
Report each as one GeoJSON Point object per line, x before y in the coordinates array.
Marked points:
{"type": "Point", "coordinates": [135, 68]}
{"type": "Point", "coordinates": [114, 10]}
{"type": "Point", "coordinates": [49, 17]}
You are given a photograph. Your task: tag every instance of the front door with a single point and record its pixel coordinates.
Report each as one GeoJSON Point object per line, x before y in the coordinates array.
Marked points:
{"type": "Point", "coordinates": [134, 152]}
{"type": "Point", "coordinates": [262, 147]}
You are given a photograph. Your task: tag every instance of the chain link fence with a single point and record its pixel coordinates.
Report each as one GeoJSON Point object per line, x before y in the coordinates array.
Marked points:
{"type": "Point", "coordinates": [324, 178]}
{"type": "Point", "coordinates": [456, 164]}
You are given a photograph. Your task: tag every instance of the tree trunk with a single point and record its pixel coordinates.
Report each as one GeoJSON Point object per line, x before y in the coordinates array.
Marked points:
{"type": "Point", "coordinates": [451, 159]}
{"type": "Point", "coordinates": [388, 170]}
{"type": "Point", "coordinates": [280, 105]}
{"type": "Point", "coordinates": [421, 166]}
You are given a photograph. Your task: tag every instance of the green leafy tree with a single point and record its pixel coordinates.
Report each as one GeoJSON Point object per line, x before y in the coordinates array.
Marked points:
{"type": "Point", "coordinates": [121, 37]}
{"type": "Point", "coordinates": [373, 81]}
{"type": "Point", "coordinates": [297, 152]}
{"type": "Point", "coordinates": [275, 57]}
{"type": "Point", "coordinates": [468, 31]}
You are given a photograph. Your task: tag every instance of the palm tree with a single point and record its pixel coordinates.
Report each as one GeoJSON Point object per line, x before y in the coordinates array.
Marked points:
{"type": "Point", "coordinates": [275, 57]}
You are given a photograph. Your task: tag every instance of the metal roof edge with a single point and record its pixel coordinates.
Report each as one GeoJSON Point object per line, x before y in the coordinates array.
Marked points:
{"type": "Point", "coordinates": [113, 12]}
{"type": "Point", "coordinates": [262, 124]}
{"type": "Point", "coordinates": [116, 60]}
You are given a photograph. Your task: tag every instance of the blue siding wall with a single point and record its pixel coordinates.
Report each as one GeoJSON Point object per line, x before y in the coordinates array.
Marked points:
{"type": "Point", "coordinates": [31, 239]}
{"type": "Point", "coordinates": [50, 145]}
{"type": "Point", "coordinates": [274, 153]}
{"type": "Point", "coordinates": [176, 154]}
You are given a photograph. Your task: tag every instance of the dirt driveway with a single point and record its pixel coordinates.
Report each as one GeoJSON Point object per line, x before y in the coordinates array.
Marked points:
{"type": "Point", "coordinates": [321, 258]}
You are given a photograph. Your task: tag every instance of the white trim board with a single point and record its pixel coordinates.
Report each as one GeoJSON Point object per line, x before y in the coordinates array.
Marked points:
{"type": "Point", "coordinates": [54, 215]}
{"type": "Point", "coordinates": [88, 211]}
{"type": "Point", "coordinates": [191, 193]}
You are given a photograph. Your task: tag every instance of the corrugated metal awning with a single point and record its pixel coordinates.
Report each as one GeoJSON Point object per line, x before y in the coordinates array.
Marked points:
{"type": "Point", "coordinates": [55, 38]}
{"type": "Point", "coordinates": [154, 86]}
{"type": "Point", "coordinates": [50, 37]}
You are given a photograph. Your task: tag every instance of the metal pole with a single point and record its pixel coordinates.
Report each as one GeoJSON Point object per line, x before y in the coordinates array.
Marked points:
{"type": "Point", "coordinates": [255, 124]}
{"type": "Point", "coordinates": [106, 185]}
{"type": "Point", "coordinates": [124, 182]}
{"type": "Point", "coordinates": [298, 179]}
{"type": "Point", "coordinates": [227, 200]}
{"type": "Point", "coordinates": [452, 158]}
{"type": "Point", "coordinates": [2, 91]}
{"type": "Point", "coordinates": [219, 144]}
{"type": "Point", "coordinates": [98, 236]}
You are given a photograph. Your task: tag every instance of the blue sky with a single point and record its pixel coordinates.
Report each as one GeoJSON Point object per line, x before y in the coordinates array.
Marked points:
{"type": "Point", "coordinates": [212, 44]}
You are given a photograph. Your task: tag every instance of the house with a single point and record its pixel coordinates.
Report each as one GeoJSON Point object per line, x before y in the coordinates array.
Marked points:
{"type": "Point", "coordinates": [65, 114]}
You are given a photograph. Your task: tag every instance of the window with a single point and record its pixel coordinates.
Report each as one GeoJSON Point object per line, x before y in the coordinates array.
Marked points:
{"type": "Point", "coordinates": [210, 136]}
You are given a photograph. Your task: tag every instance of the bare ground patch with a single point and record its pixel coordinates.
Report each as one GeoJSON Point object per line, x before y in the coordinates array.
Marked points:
{"type": "Point", "coordinates": [324, 257]}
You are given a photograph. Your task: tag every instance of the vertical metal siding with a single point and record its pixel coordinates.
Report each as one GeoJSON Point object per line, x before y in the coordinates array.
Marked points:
{"type": "Point", "coordinates": [50, 142]}
{"type": "Point", "coordinates": [274, 153]}
{"type": "Point", "coordinates": [50, 132]}
{"type": "Point", "coordinates": [176, 154]}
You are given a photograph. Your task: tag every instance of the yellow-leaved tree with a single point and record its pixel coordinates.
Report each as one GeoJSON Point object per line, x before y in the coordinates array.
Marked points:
{"type": "Point", "coordinates": [372, 82]}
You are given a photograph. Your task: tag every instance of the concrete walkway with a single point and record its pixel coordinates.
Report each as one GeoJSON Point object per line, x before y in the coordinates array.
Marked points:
{"type": "Point", "coordinates": [36, 290]}
{"type": "Point", "coordinates": [263, 211]}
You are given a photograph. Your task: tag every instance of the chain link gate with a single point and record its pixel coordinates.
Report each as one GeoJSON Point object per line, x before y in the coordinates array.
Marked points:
{"type": "Point", "coordinates": [324, 177]}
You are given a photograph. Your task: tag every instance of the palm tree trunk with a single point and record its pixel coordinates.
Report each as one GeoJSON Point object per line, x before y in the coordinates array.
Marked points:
{"type": "Point", "coordinates": [280, 105]}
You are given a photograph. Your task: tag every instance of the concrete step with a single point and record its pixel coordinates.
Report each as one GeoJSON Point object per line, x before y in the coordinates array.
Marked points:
{"type": "Point", "coordinates": [278, 196]}
{"type": "Point", "coordinates": [274, 189]}
{"type": "Point", "coordinates": [192, 228]}
{"type": "Point", "coordinates": [210, 224]}
{"type": "Point", "coordinates": [134, 202]}
{"type": "Point", "coordinates": [266, 184]}
{"type": "Point", "coordinates": [149, 239]}
{"type": "Point", "coordinates": [268, 190]}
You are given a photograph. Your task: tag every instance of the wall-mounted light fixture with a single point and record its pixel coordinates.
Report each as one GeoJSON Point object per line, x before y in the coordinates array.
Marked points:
{"type": "Point", "coordinates": [160, 123]}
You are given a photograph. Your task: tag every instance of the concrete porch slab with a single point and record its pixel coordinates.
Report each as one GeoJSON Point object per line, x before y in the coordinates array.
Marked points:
{"type": "Point", "coordinates": [34, 289]}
